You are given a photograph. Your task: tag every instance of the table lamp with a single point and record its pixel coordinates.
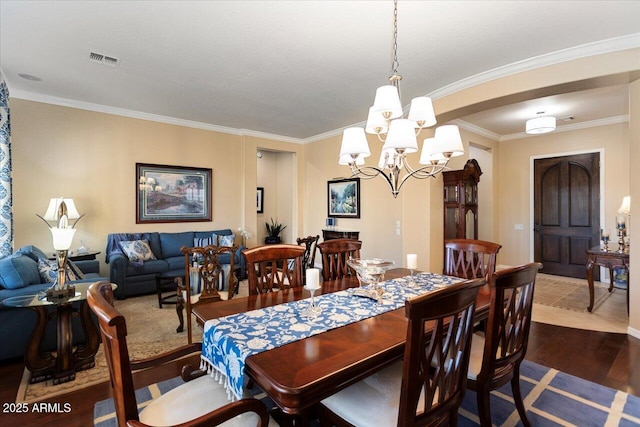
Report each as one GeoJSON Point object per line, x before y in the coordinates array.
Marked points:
{"type": "Point", "coordinates": [60, 211]}
{"type": "Point", "coordinates": [623, 230]}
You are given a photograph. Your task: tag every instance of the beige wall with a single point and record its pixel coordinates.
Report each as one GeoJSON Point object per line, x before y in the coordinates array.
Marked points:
{"type": "Point", "coordinates": [634, 191]}
{"type": "Point", "coordinates": [515, 176]}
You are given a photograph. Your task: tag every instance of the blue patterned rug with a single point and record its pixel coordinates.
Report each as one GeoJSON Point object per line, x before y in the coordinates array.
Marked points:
{"type": "Point", "coordinates": [552, 398]}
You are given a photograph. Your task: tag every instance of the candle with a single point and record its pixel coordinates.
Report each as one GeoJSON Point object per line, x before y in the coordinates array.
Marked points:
{"type": "Point", "coordinates": [412, 261]}
{"type": "Point", "coordinates": [313, 278]}
{"type": "Point", "coordinates": [620, 221]}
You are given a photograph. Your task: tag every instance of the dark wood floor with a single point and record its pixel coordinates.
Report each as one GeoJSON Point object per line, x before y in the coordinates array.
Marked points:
{"type": "Point", "coordinates": [604, 358]}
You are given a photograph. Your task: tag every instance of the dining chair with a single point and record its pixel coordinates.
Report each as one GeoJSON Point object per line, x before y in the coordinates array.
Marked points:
{"type": "Point", "coordinates": [207, 267]}
{"type": "Point", "coordinates": [335, 253]}
{"type": "Point", "coordinates": [273, 267]}
{"type": "Point", "coordinates": [310, 245]}
{"type": "Point", "coordinates": [496, 356]}
{"type": "Point", "coordinates": [469, 259]}
{"type": "Point", "coordinates": [427, 386]}
{"type": "Point", "coordinates": [200, 400]}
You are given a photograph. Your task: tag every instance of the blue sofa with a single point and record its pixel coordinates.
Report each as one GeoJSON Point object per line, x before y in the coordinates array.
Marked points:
{"type": "Point", "coordinates": [139, 277]}
{"type": "Point", "coordinates": [19, 275]}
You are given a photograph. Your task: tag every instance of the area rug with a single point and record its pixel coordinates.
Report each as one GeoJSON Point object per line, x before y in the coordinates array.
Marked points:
{"type": "Point", "coordinates": [568, 294]}
{"type": "Point", "coordinates": [151, 330]}
{"type": "Point", "coordinates": [563, 301]}
{"type": "Point", "coordinates": [551, 397]}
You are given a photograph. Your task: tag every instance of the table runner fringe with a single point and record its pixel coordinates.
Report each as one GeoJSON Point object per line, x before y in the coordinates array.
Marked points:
{"type": "Point", "coordinates": [220, 377]}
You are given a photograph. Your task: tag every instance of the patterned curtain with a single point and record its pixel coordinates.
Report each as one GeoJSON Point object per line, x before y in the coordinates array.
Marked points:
{"type": "Point", "coordinates": [6, 192]}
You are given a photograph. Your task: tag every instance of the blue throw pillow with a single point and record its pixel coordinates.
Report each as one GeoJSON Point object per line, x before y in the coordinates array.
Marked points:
{"type": "Point", "coordinates": [49, 271]}
{"type": "Point", "coordinates": [226, 240]}
{"type": "Point", "coordinates": [201, 242]}
{"type": "Point", "coordinates": [137, 250]}
{"type": "Point", "coordinates": [18, 271]}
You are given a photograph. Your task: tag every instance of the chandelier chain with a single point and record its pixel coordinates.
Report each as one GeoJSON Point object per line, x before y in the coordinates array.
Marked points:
{"type": "Point", "coordinates": [395, 64]}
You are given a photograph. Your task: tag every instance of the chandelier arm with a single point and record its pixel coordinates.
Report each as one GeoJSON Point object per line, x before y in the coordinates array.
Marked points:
{"type": "Point", "coordinates": [369, 172]}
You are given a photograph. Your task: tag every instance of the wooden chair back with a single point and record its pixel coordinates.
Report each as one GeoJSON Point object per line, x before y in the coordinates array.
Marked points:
{"type": "Point", "coordinates": [269, 267]}
{"type": "Point", "coordinates": [335, 253]}
{"type": "Point", "coordinates": [435, 363]}
{"type": "Point", "coordinates": [113, 329]}
{"type": "Point", "coordinates": [310, 245]}
{"type": "Point", "coordinates": [506, 334]}
{"type": "Point", "coordinates": [470, 259]}
{"type": "Point", "coordinates": [114, 332]}
{"type": "Point", "coordinates": [204, 265]}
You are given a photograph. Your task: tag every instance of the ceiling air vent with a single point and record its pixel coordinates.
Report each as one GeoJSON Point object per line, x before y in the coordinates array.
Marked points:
{"type": "Point", "coordinates": [104, 59]}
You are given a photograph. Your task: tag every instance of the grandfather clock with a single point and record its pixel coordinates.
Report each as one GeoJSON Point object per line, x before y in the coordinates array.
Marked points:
{"type": "Point", "coordinates": [461, 202]}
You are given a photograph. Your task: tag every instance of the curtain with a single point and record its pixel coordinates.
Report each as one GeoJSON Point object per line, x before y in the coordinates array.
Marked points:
{"type": "Point", "coordinates": [6, 192]}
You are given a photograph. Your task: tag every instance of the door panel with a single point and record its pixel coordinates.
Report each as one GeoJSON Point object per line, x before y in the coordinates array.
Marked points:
{"type": "Point", "coordinates": [566, 212]}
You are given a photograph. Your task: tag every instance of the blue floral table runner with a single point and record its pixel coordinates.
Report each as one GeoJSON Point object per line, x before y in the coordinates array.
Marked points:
{"type": "Point", "coordinates": [229, 340]}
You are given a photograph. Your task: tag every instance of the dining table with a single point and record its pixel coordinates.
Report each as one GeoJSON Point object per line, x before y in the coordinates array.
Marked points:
{"type": "Point", "coordinates": [298, 375]}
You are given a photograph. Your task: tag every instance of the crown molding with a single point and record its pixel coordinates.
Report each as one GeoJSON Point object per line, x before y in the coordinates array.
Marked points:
{"type": "Point", "coordinates": [99, 108]}
{"type": "Point", "coordinates": [572, 127]}
{"type": "Point", "coordinates": [630, 41]}
{"type": "Point", "coordinates": [476, 129]}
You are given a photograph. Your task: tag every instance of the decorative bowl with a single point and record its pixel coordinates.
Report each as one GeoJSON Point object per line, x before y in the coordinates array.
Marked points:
{"type": "Point", "coordinates": [370, 271]}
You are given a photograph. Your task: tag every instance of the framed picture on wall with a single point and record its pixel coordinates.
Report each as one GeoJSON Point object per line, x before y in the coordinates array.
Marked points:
{"type": "Point", "coordinates": [343, 198]}
{"type": "Point", "coordinates": [172, 193]}
{"type": "Point", "coordinates": [260, 200]}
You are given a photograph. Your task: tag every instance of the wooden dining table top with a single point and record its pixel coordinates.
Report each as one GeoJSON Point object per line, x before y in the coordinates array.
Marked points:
{"type": "Point", "coordinates": [302, 373]}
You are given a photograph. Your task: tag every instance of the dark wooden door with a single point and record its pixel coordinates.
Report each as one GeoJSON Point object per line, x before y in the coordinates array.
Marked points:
{"type": "Point", "coordinates": [566, 212]}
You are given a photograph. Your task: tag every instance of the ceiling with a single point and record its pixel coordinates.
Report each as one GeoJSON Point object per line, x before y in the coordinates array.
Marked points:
{"type": "Point", "coordinates": [298, 69]}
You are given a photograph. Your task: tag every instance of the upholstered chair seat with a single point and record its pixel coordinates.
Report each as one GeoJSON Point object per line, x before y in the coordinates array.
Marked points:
{"type": "Point", "coordinates": [189, 401]}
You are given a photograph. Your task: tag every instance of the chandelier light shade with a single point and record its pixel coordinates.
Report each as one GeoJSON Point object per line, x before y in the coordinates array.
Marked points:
{"type": "Point", "coordinates": [541, 125]}
{"type": "Point", "coordinates": [399, 135]}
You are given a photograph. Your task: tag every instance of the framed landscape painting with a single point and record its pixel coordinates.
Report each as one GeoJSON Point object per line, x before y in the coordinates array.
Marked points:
{"type": "Point", "coordinates": [343, 198]}
{"type": "Point", "coordinates": [172, 193]}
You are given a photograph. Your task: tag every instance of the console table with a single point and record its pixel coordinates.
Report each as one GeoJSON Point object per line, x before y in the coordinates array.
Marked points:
{"type": "Point", "coordinates": [607, 259]}
{"type": "Point", "coordinates": [334, 233]}
{"type": "Point", "coordinates": [63, 366]}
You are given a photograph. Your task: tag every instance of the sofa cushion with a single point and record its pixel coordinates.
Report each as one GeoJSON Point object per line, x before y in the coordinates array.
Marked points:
{"type": "Point", "coordinates": [137, 250]}
{"type": "Point", "coordinates": [33, 252]}
{"type": "Point", "coordinates": [172, 242]}
{"type": "Point", "coordinates": [18, 271]}
{"type": "Point", "coordinates": [148, 267]}
{"type": "Point", "coordinates": [175, 262]}
{"type": "Point", "coordinates": [49, 271]}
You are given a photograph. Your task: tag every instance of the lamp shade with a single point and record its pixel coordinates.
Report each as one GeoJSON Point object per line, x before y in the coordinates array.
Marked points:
{"type": "Point", "coordinates": [448, 142]}
{"type": "Point", "coordinates": [401, 136]}
{"type": "Point", "coordinates": [354, 141]}
{"type": "Point", "coordinates": [387, 101]}
{"type": "Point", "coordinates": [541, 125]}
{"type": "Point", "coordinates": [625, 207]}
{"type": "Point", "coordinates": [62, 238]}
{"type": "Point", "coordinates": [387, 158]}
{"type": "Point", "coordinates": [422, 111]}
{"type": "Point", "coordinates": [61, 206]}
{"type": "Point", "coordinates": [376, 123]}
{"type": "Point", "coordinates": [431, 152]}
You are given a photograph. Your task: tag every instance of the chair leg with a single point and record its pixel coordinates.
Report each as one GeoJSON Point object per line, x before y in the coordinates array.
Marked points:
{"type": "Point", "coordinates": [179, 310]}
{"type": "Point", "coordinates": [517, 396]}
{"type": "Point", "coordinates": [484, 407]}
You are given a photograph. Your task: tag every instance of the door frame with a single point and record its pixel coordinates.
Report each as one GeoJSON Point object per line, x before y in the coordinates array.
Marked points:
{"type": "Point", "coordinates": [532, 201]}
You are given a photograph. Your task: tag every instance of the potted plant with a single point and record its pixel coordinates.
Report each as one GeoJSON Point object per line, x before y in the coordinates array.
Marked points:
{"type": "Point", "coordinates": [273, 232]}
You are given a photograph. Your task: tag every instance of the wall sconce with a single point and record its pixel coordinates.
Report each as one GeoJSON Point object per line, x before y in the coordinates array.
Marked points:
{"type": "Point", "coordinates": [60, 211]}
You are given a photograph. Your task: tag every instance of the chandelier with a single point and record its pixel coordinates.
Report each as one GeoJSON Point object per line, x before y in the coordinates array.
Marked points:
{"type": "Point", "coordinates": [399, 135]}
